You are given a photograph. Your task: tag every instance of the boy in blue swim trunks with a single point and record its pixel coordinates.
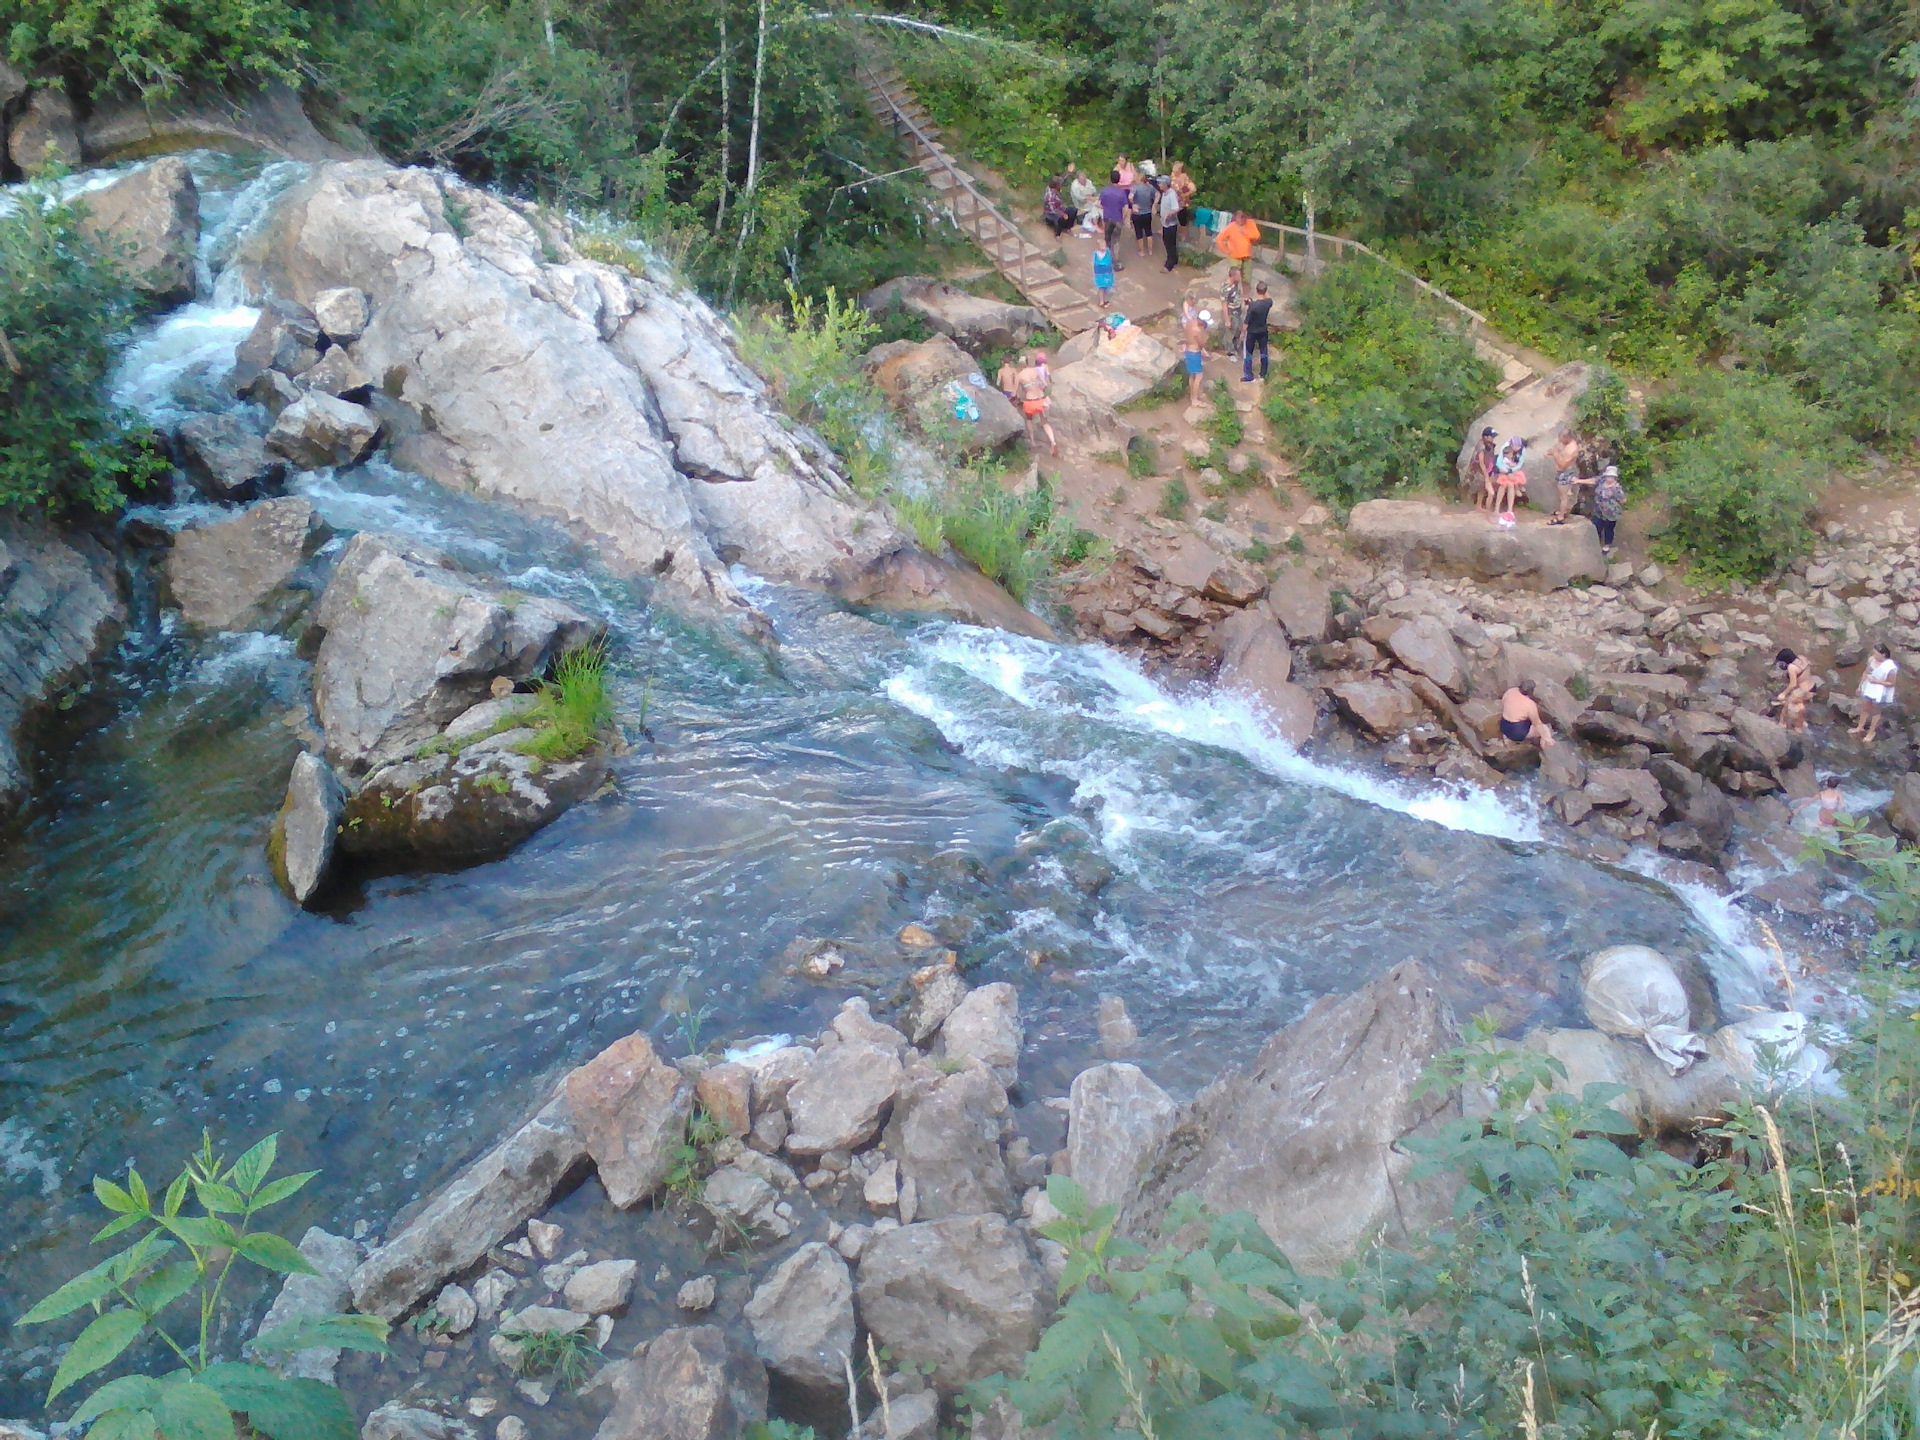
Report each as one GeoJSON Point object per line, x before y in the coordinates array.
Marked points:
{"type": "Point", "coordinates": [1194, 333]}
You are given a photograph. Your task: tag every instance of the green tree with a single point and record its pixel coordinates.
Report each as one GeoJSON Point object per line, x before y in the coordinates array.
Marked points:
{"type": "Point", "coordinates": [152, 47]}
{"type": "Point", "coordinates": [1704, 62]}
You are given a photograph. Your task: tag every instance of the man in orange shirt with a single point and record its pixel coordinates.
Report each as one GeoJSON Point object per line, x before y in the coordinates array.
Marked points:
{"type": "Point", "coordinates": [1236, 242]}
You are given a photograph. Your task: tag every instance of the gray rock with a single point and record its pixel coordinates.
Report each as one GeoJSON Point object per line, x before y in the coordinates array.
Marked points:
{"type": "Point", "coordinates": [310, 1297]}
{"type": "Point", "coordinates": [602, 1288]}
{"type": "Point", "coordinates": [632, 1108]}
{"type": "Point", "coordinates": [842, 1098]}
{"type": "Point", "coordinates": [1423, 536]}
{"type": "Point", "coordinates": [937, 989]}
{"type": "Point", "coordinates": [342, 313]}
{"type": "Point", "coordinates": [1903, 809]}
{"type": "Point", "coordinates": [1425, 647]}
{"type": "Point", "coordinates": [1256, 664]}
{"type": "Point", "coordinates": [691, 1383]}
{"type": "Point", "coordinates": [318, 430]}
{"type": "Point", "coordinates": [1771, 740]}
{"type": "Point", "coordinates": [151, 220]}
{"type": "Point", "coordinates": [44, 133]}
{"type": "Point", "coordinates": [1118, 1034]}
{"type": "Point", "coordinates": [1609, 786]}
{"type": "Point", "coordinates": [464, 808]}
{"type": "Point", "coordinates": [985, 1026]}
{"type": "Point", "coordinates": [233, 574]}
{"type": "Point", "coordinates": [1380, 709]}
{"type": "Point", "coordinates": [481, 1206]}
{"type": "Point", "coordinates": [227, 460]}
{"type": "Point", "coordinates": [774, 1074]}
{"type": "Point", "coordinates": [1303, 604]}
{"type": "Point", "coordinates": [457, 1307]}
{"type": "Point", "coordinates": [945, 1133]}
{"type": "Point", "coordinates": [306, 830]}
{"type": "Point", "coordinates": [1538, 411]}
{"type": "Point", "coordinates": [854, 1021]}
{"type": "Point", "coordinates": [975, 324]}
{"type": "Point", "coordinates": [272, 392]}
{"type": "Point", "coordinates": [411, 644]}
{"type": "Point", "coordinates": [920, 379]}
{"type": "Point", "coordinates": [490, 1292]}
{"type": "Point", "coordinates": [1116, 1121]}
{"type": "Point", "coordinates": [913, 1416]}
{"type": "Point", "coordinates": [962, 1296]}
{"type": "Point", "coordinates": [697, 1294]}
{"type": "Point", "coordinates": [395, 1421]}
{"type": "Point", "coordinates": [1113, 371]}
{"type": "Point", "coordinates": [61, 600]}
{"type": "Point", "coordinates": [337, 375]}
{"type": "Point", "coordinates": [1696, 803]}
{"type": "Point", "coordinates": [1657, 1101]}
{"type": "Point", "coordinates": [802, 1319]}
{"type": "Point", "coordinates": [1308, 1138]}
{"type": "Point", "coordinates": [285, 339]}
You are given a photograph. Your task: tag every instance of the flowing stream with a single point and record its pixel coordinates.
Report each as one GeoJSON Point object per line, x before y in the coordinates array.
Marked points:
{"type": "Point", "coordinates": [1064, 821]}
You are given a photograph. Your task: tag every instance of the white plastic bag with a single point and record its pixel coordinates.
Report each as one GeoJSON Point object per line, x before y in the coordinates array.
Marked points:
{"type": "Point", "coordinates": [1632, 991]}
{"type": "Point", "coordinates": [1770, 1052]}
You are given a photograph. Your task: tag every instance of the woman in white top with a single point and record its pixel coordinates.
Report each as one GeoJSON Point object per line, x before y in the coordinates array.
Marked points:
{"type": "Point", "coordinates": [1876, 692]}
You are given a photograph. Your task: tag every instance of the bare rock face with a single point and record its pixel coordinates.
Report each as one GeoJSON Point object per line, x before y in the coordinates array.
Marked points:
{"type": "Point", "coordinates": [841, 1100]}
{"type": "Point", "coordinates": [410, 644]}
{"type": "Point", "coordinates": [476, 1210]}
{"type": "Point", "coordinates": [985, 1026]}
{"type": "Point", "coordinates": [309, 1297]}
{"type": "Point", "coordinates": [227, 460]}
{"type": "Point", "coordinates": [945, 1133]}
{"type": "Point", "coordinates": [1116, 1121]}
{"type": "Point", "coordinates": [45, 133]}
{"type": "Point", "coordinates": [232, 575]}
{"type": "Point", "coordinates": [1308, 1138]}
{"type": "Point", "coordinates": [973, 323]}
{"type": "Point", "coordinates": [464, 808]}
{"type": "Point", "coordinates": [1538, 411]}
{"type": "Point", "coordinates": [1423, 536]}
{"type": "Point", "coordinates": [961, 1295]}
{"type": "Point", "coordinates": [632, 1108]}
{"type": "Point", "coordinates": [802, 1319]}
{"type": "Point", "coordinates": [919, 378]}
{"type": "Point", "coordinates": [153, 218]}
{"type": "Point", "coordinates": [320, 429]}
{"type": "Point", "coordinates": [62, 605]}
{"type": "Point", "coordinates": [690, 1383]}
{"type": "Point", "coordinates": [342, 313]}
{"type": "Point", "coordinates": [1426, 647]}
{"type": "Point", "coordinates": [1381, 709]}
{"type": "Point", "coordinates": [306, 831]}
{"type": "Point", "coordinates": [1303, 604]}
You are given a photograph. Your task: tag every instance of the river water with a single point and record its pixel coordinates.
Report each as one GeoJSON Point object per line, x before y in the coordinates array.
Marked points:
{"type": "Point", "coordinates": [1064, 821]}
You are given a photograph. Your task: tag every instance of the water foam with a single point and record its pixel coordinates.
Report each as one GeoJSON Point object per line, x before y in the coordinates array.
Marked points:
{"type": "Point", "coordinates": [194, 344]}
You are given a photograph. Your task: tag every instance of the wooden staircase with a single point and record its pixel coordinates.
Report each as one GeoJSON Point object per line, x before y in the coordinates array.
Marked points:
{"type": "Point", "coordinates": [895, 106]}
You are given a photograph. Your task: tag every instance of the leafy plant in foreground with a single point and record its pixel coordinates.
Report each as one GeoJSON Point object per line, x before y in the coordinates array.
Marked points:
{"type": "Point", "coordinates": [129, 1291]}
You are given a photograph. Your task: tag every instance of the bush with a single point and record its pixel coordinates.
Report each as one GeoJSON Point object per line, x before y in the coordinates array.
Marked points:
{"type": "Point", "coordinates": [63, 309]}
{"type": "Point", "coordinates": [153, 46]}
{"type": "Point", "coordinates": [1742, 460]}
{"type": "Point", "coordinates": [1375, 391]}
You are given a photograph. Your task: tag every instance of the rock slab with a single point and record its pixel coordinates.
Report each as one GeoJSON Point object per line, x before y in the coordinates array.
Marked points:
{"type": "Point", "coordinates": [1423, 536]}
{"type": "Point", "coordinates": [632, 1108]}
{"type": "Point", "coordinates": [232, 574]}
{"type": "Point", "coordinates": [1116, 1121]}
{"type": "Point", "coordinates": [802, 1319]}
{"type": "Point", "coordinates": [306, 831]}
{"type": "Point", "coordinates": [690, 1383]}
{"type": "Point", "coordinates": [962, 1296]}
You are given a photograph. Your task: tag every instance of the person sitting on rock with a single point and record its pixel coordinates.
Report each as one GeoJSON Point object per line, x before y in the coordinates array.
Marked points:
{"type": "Point", "coordinates": [1060, 216]}
{"type": "Point", "coordinates": [1520, 719]}
{"type": "Point", "coordinates": [1509, 478]}
{"type": "Point", "coordinates": [1792, 701]}
{"type": "Point", "coordinates": [1483, 464]}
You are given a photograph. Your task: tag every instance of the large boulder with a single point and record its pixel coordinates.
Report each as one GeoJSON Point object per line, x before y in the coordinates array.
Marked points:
{"type": "Point", "coordinates": [1303, 604]}
{"type": "Point", "coordinates": [689, 1383]}
{"type": "Point", "coordinates": [921, 380]}
{"type": "Point", "coordinates": [1538, 410]}
{"type": "Point", "coordinates": [467, 807]}
{"type": "Point", "coordinates": [233, 574]}
{"type": "Point", "coordinates": [44, 133]}
{"type": "Point", "coordinates": [1379, 709]}
{"type": "Point", "coordinates": [1696, 803]}
{"type": "Point", "coordinates": [203, 115]}
{"type": "Point", "coordinates": [985, 1026]}
{"type": "Point", "coordinates": [1424, 536]}
{"type": "Point", "coordinates": [327, 1291]}
{"type": "Point", "coordinates": [975, 324]}
{"type": "Point", "coordinates": [226, 459]}
{"type": "Point", "coordinates": [1117, 368]}
{"type": "Point", "coordinates": [481, 1206]}
{"type": "Point", "coordinates": [1256, 663]}
{"type": "Point", "coordinates": [945, 1133]}
{"type": "Point", "coordinates": [631, 1107]}
{"type": "Point", "coordinates": [842, 1098]}
{"type": "Point", "coordinates": [1425, 646]}
{"type": "Point", "coordinates": [1903, 809]}
{"type": "Point", "coordinates": [306, 831]}
{"type": "Point", "coordinates": [1780, 747]}
{"type": "Point", "coordinates": [152, 218]}
{"type": "Point", "coordinates": [961, 1298]}
{"type": "Point", "coordinates": [1116, 1121]}
{"type": "Point", "coordinates": [802, 1319]}
{"type": "Point", "coordinates": [409, 644]}
{"type": "Point", "coordinates": [1309, 1137]}
{"type": "Point", "coordinates": [319, 429]}
{"type": "Point", "coordinates": [60, 597]}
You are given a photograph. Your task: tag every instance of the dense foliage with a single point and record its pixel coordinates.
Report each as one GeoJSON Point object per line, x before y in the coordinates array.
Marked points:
{"type": "Point", "coordinates": [62, 310]}
{"type": "Point", "coordinates": [1374, 392]}
{"type": "Point", "coordinates": [152, 47]}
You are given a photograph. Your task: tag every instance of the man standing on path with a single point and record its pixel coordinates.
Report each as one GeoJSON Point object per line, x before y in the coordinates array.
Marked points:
{"type": "Point", "coordinates": [1169, 210]}
{"type": "Point", "coordinates": [1194, 333]}
{"type": "Point", "coordinates": [1259, 316]}
{"type": "Point", "coordinates": [1113, 212]}
{"type": "Point", "coordinates": [1144, 198]}
{"type": "Point", "coordinates": [1033, 403]}
{"type": "Point", "coordinates": [1236, 242]}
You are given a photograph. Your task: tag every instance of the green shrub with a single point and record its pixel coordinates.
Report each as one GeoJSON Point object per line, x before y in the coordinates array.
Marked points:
{"type": "Point", "coordinates": [1742, 461]}
{"type": "Point", "coordinates": [1375, 392]}
{"type": "Point", "coordinates": [154, 46]}
{"type": "Point", "coordinates": [1175, 498]}
{"type": "Point", "coordinates": [64, 307]}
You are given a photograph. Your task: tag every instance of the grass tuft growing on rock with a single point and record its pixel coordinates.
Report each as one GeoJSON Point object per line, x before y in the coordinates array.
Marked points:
{"type": "Point", "coordinates": [570, 1359]}
{"type": "Point", "coordinates": [573, 709]}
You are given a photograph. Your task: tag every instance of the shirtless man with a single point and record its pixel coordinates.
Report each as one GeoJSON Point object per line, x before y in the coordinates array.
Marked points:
{"type": "Point", "coordinates": [1195, 353]}
{"type": "Point", "coordinates": [1032, 382]}
{"type": "Point", "coordinates": [1520, 716]}
{"type": "Point", "coordinates": [1565, 456]}
{"type": "Point", "coordinates": [1008, 381]}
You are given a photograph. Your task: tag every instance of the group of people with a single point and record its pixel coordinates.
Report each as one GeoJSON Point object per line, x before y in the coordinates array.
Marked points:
{"type": "Point", "coordinates": [1875, 693]}
{"type": "Point", "coordinates": [1503, 477]}
{"type": "Point", "coordinates": [1027, 388]}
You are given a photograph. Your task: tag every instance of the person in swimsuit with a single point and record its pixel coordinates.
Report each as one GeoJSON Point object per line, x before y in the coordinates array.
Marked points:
{"type": "Point", "coordinates": [1520, 719]}
{"type": "Point", "coordinates": [1792, 701]}
{"type": "Point", "coordinates": [1483, 462]}
{"type": "Point", "coordinates": [1876, 692]}
{"type": "Point", "coordinates": [1195, 353]}
{"type": "Point", "coordinates": [1032, 382]}
{"type": "Point", "coordinates": [1830, 801]}
{"type": "Point", "coordinates": [1124, 173]}
{"type": "Point", "coordinates": [1566, 473]}
{"type": "Point", "coordinates": [1008, 381]}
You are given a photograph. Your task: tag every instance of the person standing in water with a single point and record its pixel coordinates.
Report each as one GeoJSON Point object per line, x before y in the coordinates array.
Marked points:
{"type": "Point", "coordinates": [1876, 692]}
{"type": "Point", "coordinates": [1792, 700]}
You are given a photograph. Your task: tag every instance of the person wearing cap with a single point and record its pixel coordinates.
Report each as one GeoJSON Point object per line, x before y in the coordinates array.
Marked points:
{"type": "Point", "coordinates": [1509, 478]}
{"type": "Point", "coordinates": [1483, 461]}
{"type": "Point", "coordinates": [1194, 333]}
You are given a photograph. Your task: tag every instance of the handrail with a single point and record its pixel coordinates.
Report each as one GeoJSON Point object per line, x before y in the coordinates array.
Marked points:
{"type": "Point", "coordinates": [1342, 243]}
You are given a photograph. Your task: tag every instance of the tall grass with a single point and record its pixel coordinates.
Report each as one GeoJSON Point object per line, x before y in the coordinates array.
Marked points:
{"type": "Point", "coordinates": [573, 709]}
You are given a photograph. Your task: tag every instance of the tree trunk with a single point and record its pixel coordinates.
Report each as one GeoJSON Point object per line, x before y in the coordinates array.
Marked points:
{"type": "Point", "coordinates": [753, 153]}
{"type": "Point", "coordinates": [546, 18]}
{"type": "Point", "coordinates": [1313, 248]}
{"type": "Point", "coordinates": [726, 128]}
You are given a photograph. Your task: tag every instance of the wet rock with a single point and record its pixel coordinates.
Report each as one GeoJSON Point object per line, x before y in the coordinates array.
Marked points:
{"type": "Point", "coordinates": [285, 339]}
{"type": "Point", "coordinates": [631, 1108]}
{"type": "Point", "coordinates": [490, 1292]}
{"type": "Point", "coordinates": [945, 1134]}
{"type": "Point", "coordinates": [44, 133]}
{"type": "Point", "coordinates": [1778, 746]}
{"type": "Point", "coordinates": [466, 808]}
{"type": "Point", "coordinates": [1256, 663]}
{"type": "Point", "coordinates": [337, 375]}
{"type": "Point", "coordinates": [457, 1308]}
{"type": "Point", "coordinates": [802, 1319]}
{"type": "Point", "coordinates": [395, 1421]}
{"type": "Point", "coordinates": [1116, 1119]}
{"type": "Point", "coordinates": [152, 220]}
{"type": "Point", "coordinates": [842, 1098]}
{"type": "Point", "coordinates": [329, 1291]}
{"type": "Point", "coordinates": [690, 1383]}
{"type": "Point", "coordinates": [1381, 709]}
{"type": "Point", "coordinates": [272, 392]}
{"type": "Point", "coordinates": [410, 644]}
{"type": "Point", "coordinates": [1560, 764]}
{"type": "Point", "coordinates": [985, 1026]}
{"type": "Point", "coordinates": [602, 1288]}
{"type": "Point", "coordinates": [342, 313]}
{"type": "Point", "coordinates": [318, 430]}
{"type": "Point", "coordinates": [227, 460]}
{"type": "Point", "coordinates": [1118, 1034]}
{"type": "Point", "coordinates": [740, 1199]}
{"type": "Point", "coordinates": [937, 989]}
{"type": "Point", "coordinates": [1695, 803]}
{"type": "Point", "coordinates": [233, 573]}
{"type": "Point", "coordinates": [305, 832]}
{"type": "Point", "coordinates": [971, 322]}
{"type": "Point", "coordinates": [1425, 647]}
{"type": "Point", "coordinates": [697, 1294]}
{"type": "Point", "coordinates": [1609, 787]}
{"type": "Point", "coordinates": [962, 1296]}
{"type": "Point", "coordinates": [726, 1092]}
{"type": "Point", "coordinates": [1422, 536]}
{"type": "Point", "coordinates": [1309, 1137]}
{"type": "Point", "coordinates": [481, 1206]}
